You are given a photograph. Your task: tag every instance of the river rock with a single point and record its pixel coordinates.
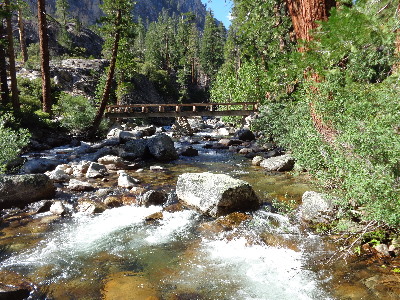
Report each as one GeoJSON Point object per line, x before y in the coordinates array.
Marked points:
{"type": "Point", "coordinates": [146, 130]}
{"type": "Point", "coordinates": [279, 163]}
{"type": "Point", "coordinates": [88, 207]}
{"type": "Point", "coordinates": [57, 208]}
{"type": "Point", "coordinates": [316, 207]}
{"type": "Point", "coordinates": [125, 136]}
{"type": "Point", "coordinates": [40, 165]}
{"type": "Point", "coordinates": [112, 162]}
{"type": "Point", "coordinates": [161, 147]}
{"type": "Point", "coordinates": [216, 194]}
{"type": "Point", "coordinates": [135, 149]}
{"type": "Point", "coordinates": [96, 171]}
{"type": "Point", "coordinates": [20, 190]}
{"type": "Point", "coordinates": [245, 135]}
{"type": "Point", "coordinates": [80, 186]}
{"type": "Point", "coordinates": [59, 174]}
{"type": "Point", "coordinates": [153, 198]}
{"type": "Point", "coordinates": [126, 181]}
{"type": "Point", "coordinates": [190, 151]}
{"type": "Point", "coordinates": [256, 161]}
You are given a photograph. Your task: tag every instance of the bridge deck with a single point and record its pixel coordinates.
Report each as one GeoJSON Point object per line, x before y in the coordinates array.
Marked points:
{"type": "Point", "coordinates": [181, 110]}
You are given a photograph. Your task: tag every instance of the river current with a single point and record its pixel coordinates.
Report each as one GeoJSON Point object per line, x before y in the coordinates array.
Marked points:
{"type": "Point", "coordinates": [119, 254]}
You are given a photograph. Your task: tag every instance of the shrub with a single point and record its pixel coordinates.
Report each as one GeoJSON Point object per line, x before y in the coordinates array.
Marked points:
{"type": "Point", "coordinates": [11, 141]}
{"type": "Point", "coordinates": [76, 112]}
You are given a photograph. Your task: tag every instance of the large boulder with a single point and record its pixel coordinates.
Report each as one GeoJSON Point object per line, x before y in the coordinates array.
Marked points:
{"type": "Point", "coordinates": [135, 149]}
{"type": "Point", "coordinates": [279, 163]}
{"type": "Point", "coordinates": [20, 190]}
{"type": "Point", "coordinates": [316, 207]}
{"type": "Point", "coordinates": [216, 194]}
{"type": "Point", "coordinates": [161, 147]}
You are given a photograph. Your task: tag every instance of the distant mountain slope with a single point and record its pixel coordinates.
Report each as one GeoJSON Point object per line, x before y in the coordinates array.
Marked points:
{"type": "Point", "coordinates": [88, 11]}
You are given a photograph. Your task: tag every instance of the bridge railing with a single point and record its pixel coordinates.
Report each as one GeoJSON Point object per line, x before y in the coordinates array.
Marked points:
{"type": "Point", "coordinates": [179, 109]}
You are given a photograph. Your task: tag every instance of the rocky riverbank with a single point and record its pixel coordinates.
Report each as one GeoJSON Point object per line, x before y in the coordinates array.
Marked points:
{"type": "Point", "coordinates": [91, 178]}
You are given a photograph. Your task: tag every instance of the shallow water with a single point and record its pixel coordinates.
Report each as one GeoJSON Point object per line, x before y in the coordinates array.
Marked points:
{"type": "Point", "coordinates": [120, 255]}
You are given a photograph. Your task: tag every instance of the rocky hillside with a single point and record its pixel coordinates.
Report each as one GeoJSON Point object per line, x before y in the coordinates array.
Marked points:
{"type": "Point", "coordinates": [88, 11]}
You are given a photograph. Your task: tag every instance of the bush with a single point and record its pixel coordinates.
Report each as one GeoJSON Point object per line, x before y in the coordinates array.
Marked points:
{"type": "Point", "coordinates": [76, 112]}
{"type": "Point", "coordinates": [11, 141]}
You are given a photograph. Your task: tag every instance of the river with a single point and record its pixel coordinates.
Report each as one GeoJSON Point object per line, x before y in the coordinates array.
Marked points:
{"type": "Point", "coordinates": [119, 254]}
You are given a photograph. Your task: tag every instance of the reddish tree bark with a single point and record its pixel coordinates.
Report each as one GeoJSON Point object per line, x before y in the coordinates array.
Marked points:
{"type": "Point", "coordinates": [305, 13]}
{"type": "Point", "coordinates": [44, 56]}
{"type": "Point", "coordinates": [11, 60]}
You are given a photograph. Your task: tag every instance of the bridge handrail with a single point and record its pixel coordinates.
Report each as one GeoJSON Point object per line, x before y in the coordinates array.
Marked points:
{"type": "Point", "coordinates": [252, 106]}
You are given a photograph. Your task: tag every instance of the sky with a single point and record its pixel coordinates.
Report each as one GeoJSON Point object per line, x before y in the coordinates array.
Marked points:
{"type": "Point", "coordinates": [221, 9]}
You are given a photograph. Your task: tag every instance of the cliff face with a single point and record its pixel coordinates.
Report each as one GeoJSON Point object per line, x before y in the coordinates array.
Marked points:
{"type": "Point", "coordinates": [88, 11]}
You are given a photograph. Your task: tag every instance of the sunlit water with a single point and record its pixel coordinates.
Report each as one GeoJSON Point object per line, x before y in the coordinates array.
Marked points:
{"type": "Point", "coordinates": [83, 255]}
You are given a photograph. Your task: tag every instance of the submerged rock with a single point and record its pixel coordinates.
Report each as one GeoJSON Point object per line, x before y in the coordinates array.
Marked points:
{"type": "Point", "coordinates": [279, 163]}
{"type": "Point", "coordinates": [20, 190]}
{"type": "Point", "coordinates": [216, 194]}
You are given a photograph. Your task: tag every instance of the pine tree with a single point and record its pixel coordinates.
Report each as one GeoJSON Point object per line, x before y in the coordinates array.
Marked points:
{"type": "Point", "coordinates": [212, 44]}
{"type": "Point", "coordinates": [44, 57]}
{"type": "Point", "coordinates": [5, 92]}
{"type": "Point", "coordinates": [11, 58]}
{"type": "Point", "coordinates": [22, 6]}
{"type": "Point", "coordinates": [62, 7]}
{"type": "Point", "coordinates": [115, 26]}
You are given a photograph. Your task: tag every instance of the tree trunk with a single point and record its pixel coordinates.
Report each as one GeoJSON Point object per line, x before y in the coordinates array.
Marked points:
{"type": "Point", "coordinates": [44, 56]}
{"type": "Point", "coordinates": [11, 60]}
{"type": "Point", "coordinates": [110, 76]}
{"type": "Point", "coordinates": [5, 92]}
{"type": "Point", "coordinates": [22, 36]}
{"type": "Point", "coordinates": [305, 13]}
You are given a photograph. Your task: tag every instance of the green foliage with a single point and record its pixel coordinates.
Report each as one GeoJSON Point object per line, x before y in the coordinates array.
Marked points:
{"type": "Point", "coordinates": [343, 128]}
{"type": "Point", "coordinates": [11, 141]}
{"type": "Point", "coordinates": [212, 46]}
{"type": "Point", "coordinates": [76, 112]}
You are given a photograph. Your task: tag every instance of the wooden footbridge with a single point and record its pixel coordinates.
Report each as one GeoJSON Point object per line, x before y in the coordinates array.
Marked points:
{"type": "Point", "coordinates": [181, 110]}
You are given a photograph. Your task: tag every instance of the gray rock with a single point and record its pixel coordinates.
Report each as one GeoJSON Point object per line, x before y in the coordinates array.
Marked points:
{"type": "Point", "coordinates": [153, 198]}
{"type": "Point", "coordinates": [112, 162]}
{"type": "Point", "coordinates": [126, 181]}
{"type": "Point", "coordinates": [316, 207]}
{"type": "Point", "coordinates": [125, 136]}
{"type": "Point", "coordinates": [40, 165]}
{"type": "Point", "coordinates": [146, 130]}
{"type": "Point", "coordinates": [382, 249]}
{"type": "Point", "coordinates": [59, 174]}
{"type": "Point", "coordinates": [245, 135]}
{"type": "Point", "coordinates": [190, 151]}
{"type": "Point", "coordinates": [80, 186]}
{"type": "Point", "coordinates": [257, 160]}
{"type": "Point", "coordinates": [161, 147]}
{"type": "Point", "coordinates": [279, 163]}
{"type": "Point", "coordinates": [216, 194]}
{"type": "Point", "coordinates": [135, 149]}
{"type": "Point", "coordinates": [88, 207]}
{"type": "Point", "coordinates": [20, 190]}
{"type": "Point", "coordinates": [96, 171]}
